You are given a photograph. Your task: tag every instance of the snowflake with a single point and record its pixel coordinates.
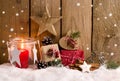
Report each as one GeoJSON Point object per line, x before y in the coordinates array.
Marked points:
{"type": "Point", "coordinates": [100, 4]}
{"type": "Point", "coordinates": [98, 19]}
{"type": "Point", "coordinates": [10, 36]}
{"type": "Point", "coordinates": [21, 28]}
{"type": "Point", "coordinates": [78, 4]}
{"type": "Point", "coordinates": [11, 29]}
{"type": "Point", "coordinates": [17, 14]}
{"type": "Point", "coordinates": [3, 41]}
{"type": "Point", "coordinates": [105, 17]}
{"type": "Point", "coordinates": [110, 14]}
{"type": "Point", "coordinates": [115, 25]}
{"type": "Point", "coordinates": [4, 54]}
{"type": "Point", "coordinates": [22, 11]}
{"type": "Point", "coordinates": [59, 8]}
{"type": "Point", "coordinates": [115, 45]}
{"type": "Point", "coordinates": [3, 12]}
{"type": "Point", "coordinates": [111, 53]}
{"type": "Point", "coordinates": [87, 48]}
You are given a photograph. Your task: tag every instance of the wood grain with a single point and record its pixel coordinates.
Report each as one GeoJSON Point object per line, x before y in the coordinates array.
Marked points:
{"type": "Point", "coordinates": [79, 18]}
{"type": "Point", "coordinates": [106, 32]}
{"type": "Point", "coordinates": [106, 28]}
{"type": "Point", "coordinates": [38, 8]}
{"type": "Point", "coordinates": [9, 20]}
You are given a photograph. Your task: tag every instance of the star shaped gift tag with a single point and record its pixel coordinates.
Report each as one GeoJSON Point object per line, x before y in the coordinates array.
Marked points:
{"type": "Point", "coordinates": [85, 67]}
{"type": "Point", "coordinates": [35, 53]}
{"type": "Point", "coordinates": [46, 22]}
{"type": "Point", "coordinates": [15, 56]}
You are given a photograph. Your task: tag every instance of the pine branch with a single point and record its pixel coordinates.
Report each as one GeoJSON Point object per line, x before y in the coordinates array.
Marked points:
{"type": "Point", "coordinates": [75, 35]}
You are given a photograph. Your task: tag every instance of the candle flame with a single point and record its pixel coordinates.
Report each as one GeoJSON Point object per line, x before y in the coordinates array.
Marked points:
{"type": "Point", "coordinates": [22, 44]}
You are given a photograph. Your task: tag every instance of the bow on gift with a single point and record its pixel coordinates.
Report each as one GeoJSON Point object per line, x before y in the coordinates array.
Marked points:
{"type": "Point", "coordinates": [71, 42]}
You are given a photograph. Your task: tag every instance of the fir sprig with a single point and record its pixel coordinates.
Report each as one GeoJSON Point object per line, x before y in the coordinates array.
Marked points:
{"type": "Point", "coordinates": [75, 35]}
{"type": "Point", "coordinates": [112, 65]}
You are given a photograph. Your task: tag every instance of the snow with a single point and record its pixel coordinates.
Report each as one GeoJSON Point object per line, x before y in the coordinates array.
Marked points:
{"type": "Point", "coordinates": [11, 73]}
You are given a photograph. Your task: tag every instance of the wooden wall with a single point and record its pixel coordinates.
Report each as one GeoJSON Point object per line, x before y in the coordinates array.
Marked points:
{"type": "Point", "coordinates": [77, 14]}
{"type": "Point", "coordinates": [38, 7]}
{"type": "Point", "coordinates": [13, 22]}
{"type": "Point", "coordinates": [106, 28]}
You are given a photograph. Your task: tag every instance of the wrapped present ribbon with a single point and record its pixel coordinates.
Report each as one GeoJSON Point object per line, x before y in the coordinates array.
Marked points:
{"type": "Point", "coordinates": [71, 42]}
{"type": "Point", "coordinates": [70, 56]}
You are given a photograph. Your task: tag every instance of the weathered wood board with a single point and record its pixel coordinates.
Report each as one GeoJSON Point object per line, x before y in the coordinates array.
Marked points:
{"type": "Point", "coordinates": [106, 28]}
{"type": "Point", "coordinates": [13, 23]}
{"type": "Point", "coordinates": [77, 15]}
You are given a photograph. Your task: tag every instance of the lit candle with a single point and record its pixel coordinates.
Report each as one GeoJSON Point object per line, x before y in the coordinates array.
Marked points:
{"type": "Point", "coordinates": [25, 49]}
{"type": "Point", "coordinates": [24, 56]}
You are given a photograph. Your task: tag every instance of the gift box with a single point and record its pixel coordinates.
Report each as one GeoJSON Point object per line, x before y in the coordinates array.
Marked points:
{"type": "Point", "coordinates": [50, 52]}
{"type": "Point", "coordinates": [71, 56]}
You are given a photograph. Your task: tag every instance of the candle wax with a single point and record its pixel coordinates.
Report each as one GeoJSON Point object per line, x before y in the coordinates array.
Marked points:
{"type": "Point", "coordinates": [24, 56]}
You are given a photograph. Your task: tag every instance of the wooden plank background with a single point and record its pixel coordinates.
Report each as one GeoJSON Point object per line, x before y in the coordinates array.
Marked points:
{"type": "Point", "coordinates": [70, 11]}
{"type": "Point", "coordinates": [38, 7]}
{"type": "Point", "coordinates": [106, 28]}
{"type": "Point", "coordinates": [76, 14]}
{"type": "Point", "coordinates": [73, 15]}
{"type": "Point", "coordinates": [19, 24]}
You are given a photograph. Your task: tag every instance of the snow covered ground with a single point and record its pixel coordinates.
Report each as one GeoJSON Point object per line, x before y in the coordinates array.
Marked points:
{"type": "Point", "coordinates": [11, 73]}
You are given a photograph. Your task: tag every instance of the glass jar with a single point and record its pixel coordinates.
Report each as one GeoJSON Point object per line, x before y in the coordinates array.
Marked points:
{"type": "Point", "coordinates": [23, 51]}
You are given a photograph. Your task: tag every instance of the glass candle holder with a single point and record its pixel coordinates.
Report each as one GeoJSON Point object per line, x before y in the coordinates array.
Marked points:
{"type": "Point", "coordinates": [22, 51]}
